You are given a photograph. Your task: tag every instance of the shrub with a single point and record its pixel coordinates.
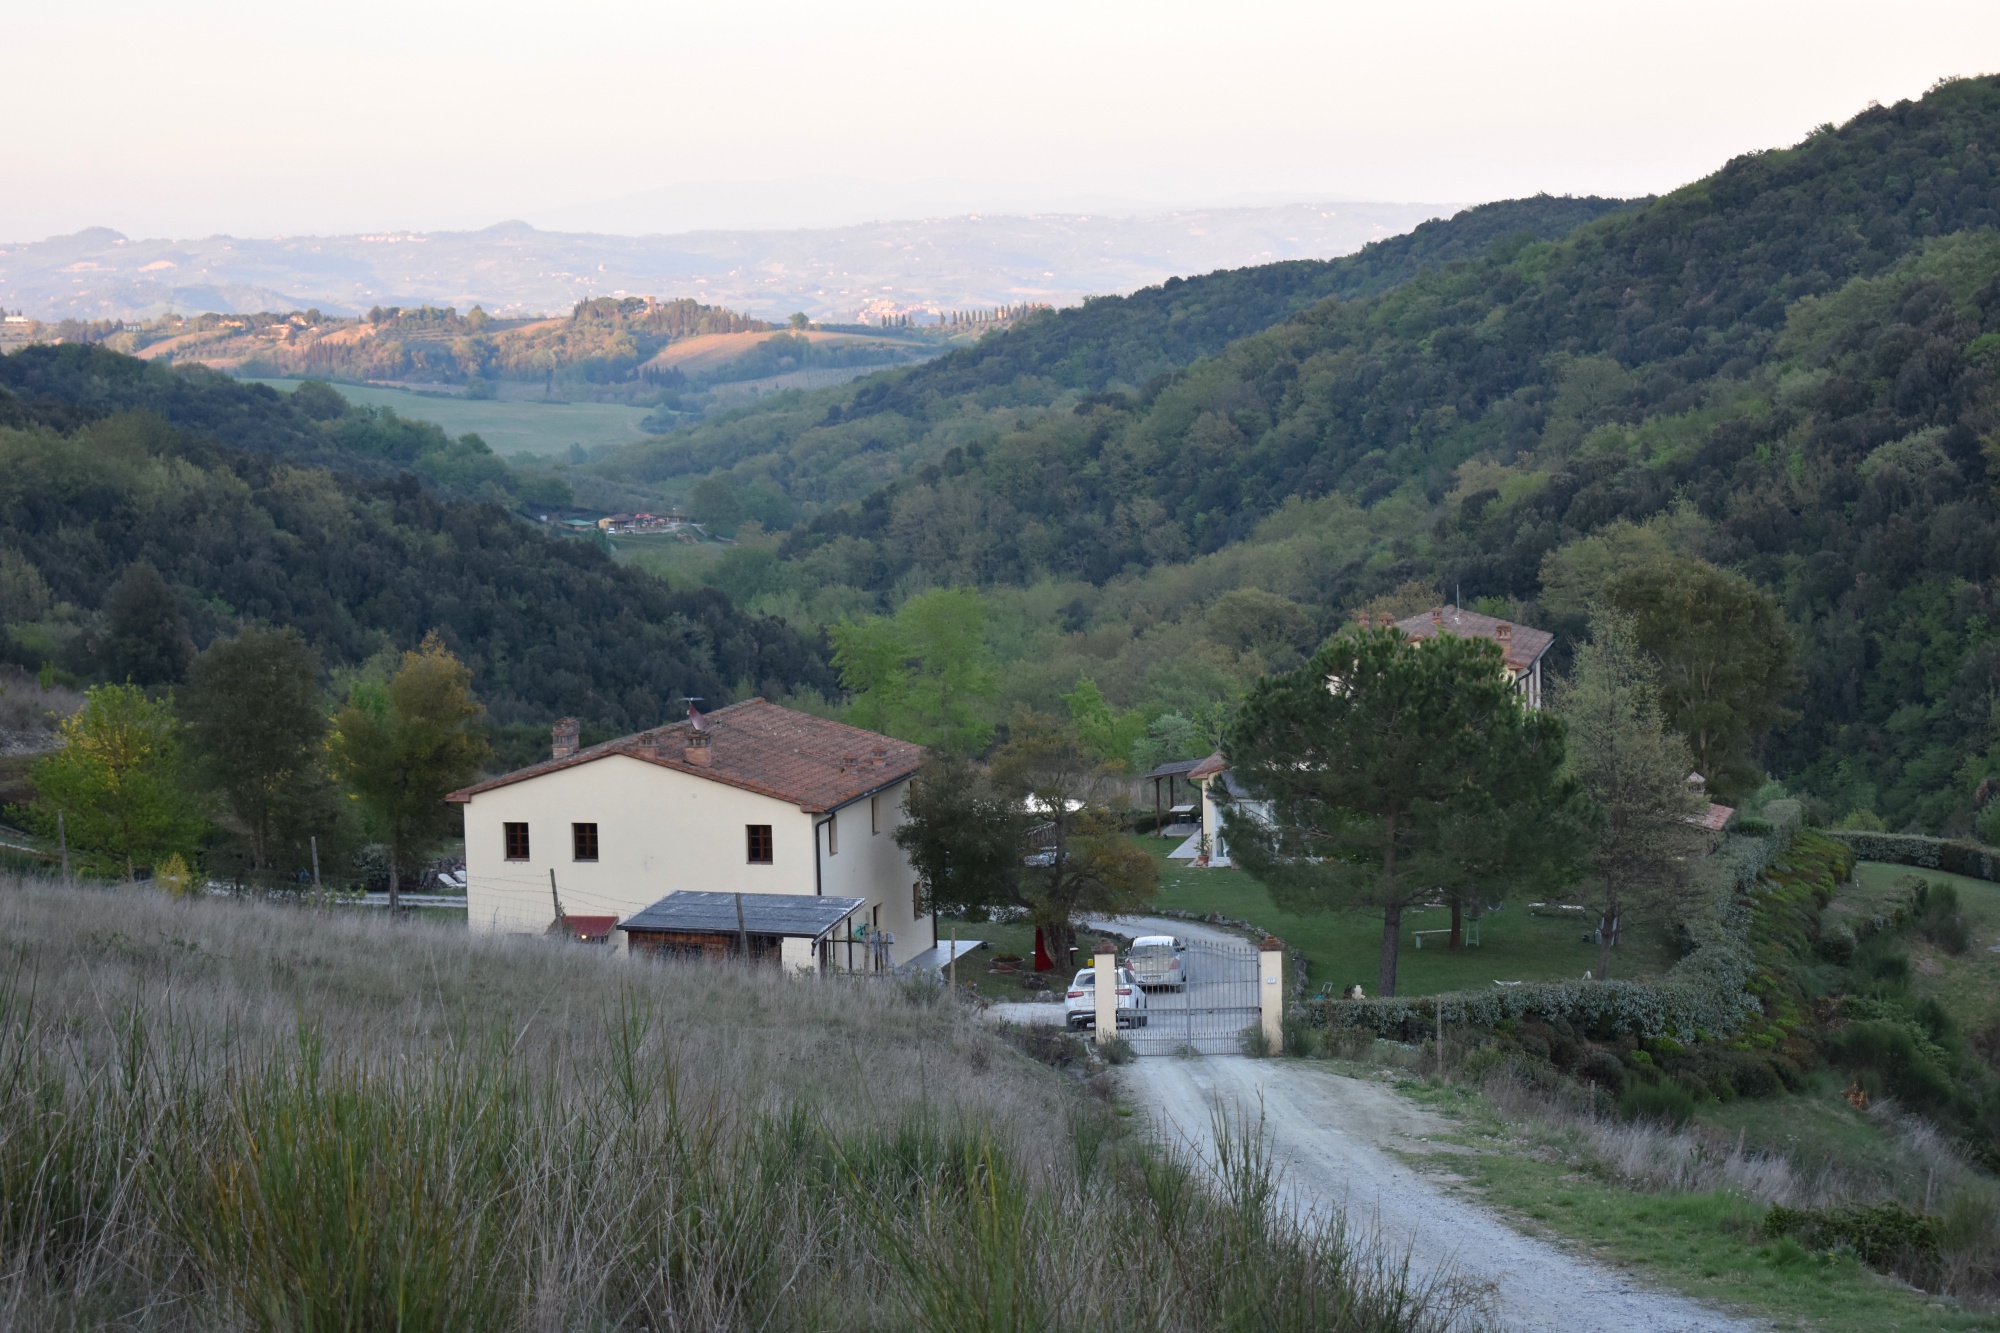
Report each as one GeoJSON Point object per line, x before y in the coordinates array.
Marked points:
{"type": "Point", "coordinates": [1665, 1101]}
{"type": "Point", "coordinates": [1298, 1037]}
{"type": "Point", "coordinates": [1936, 916]}
{"type": "Point", "coordinates": [1836, 943]}
{"type": "Point", "coordinates": [1897, 1054]}
{"type": "Point", "coordinates": [1886, 1236]}
{"type": "Point", "coordinates": [1604, 1069]}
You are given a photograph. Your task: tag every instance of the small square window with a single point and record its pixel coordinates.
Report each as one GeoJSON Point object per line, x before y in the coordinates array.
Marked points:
{"type": "Point", "coordinates": [517, 842]}
{"type": "Point", "coordinates": [760, 844]}
{"type": "Point", "coordinates": [583, 841]}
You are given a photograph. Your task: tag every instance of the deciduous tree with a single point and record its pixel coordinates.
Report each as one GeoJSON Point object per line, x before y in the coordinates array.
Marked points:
{"type": "Point", "coordinates": [119, 782]}
{"type": "Point", "coordinates": [963, 837]}
{"type": "Point", "coordinates": [1077, 857]}
{"type": "Point", "coordinates": [1726, 660]}
{"type": "Point", "coordinates": [402, 747]}
{"type": "Point", "coordinates": [256, 733]}
{"type": "Point", "coordinates": [145, 636]}
{"type": "Point", "coordinates": [927, 675]}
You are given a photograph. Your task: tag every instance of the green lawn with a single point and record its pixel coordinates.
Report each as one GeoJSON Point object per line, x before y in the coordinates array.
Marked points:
{"type": "Point", "coordinates": [1344, 947]}
{"type": "Point", "coordinates": [1706, 1245]}
{"type": "Point", "coordinates": [1016, 937]}
{"type": "Point", "coordinates": [1968, 985]}
{"type": "Point", "coordinates": [507, 427]}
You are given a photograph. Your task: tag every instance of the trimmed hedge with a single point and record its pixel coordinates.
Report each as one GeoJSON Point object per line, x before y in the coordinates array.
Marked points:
{"type": "Point", "coordinates": [1953, 855]}
{"type": "Point", "coordinates": [1606, 1010]}
{"type": "Point", "coordinates": [1706, 994]}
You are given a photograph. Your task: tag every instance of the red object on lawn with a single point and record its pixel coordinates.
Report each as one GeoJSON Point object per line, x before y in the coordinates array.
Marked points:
{"type": "Point", "coordinates": [1043, 963]}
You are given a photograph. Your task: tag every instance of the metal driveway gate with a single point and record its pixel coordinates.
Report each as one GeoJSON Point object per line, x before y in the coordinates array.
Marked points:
{"type": "Point", "coordinates": [1217, 1001]}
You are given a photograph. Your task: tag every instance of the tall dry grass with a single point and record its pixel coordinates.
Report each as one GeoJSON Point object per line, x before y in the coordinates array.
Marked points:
{"type": "Point", "coordinates": [221, 1114]}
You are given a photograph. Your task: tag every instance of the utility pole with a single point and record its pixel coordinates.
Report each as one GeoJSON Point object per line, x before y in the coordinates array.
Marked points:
{"type": "Point", "coordinates": [62, 841]}
{"type": "Point", "coordinates": [315, 847]}
{"type": "Point", "coordinates": [742, 935]}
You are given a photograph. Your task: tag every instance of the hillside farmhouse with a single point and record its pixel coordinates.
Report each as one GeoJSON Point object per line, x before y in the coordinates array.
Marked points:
{"type": "Point", "coordinates": [770, 828]}
{"type": "Point", "coordinates": [1521, 649]}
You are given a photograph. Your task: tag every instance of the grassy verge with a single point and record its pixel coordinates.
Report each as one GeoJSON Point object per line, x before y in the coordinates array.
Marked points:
{"type": "Point", "coordinates": [231, 1114]}
{"type": "Point", "coordinates": [1343, 947]}
{"type": "Point", "coordinates": [1706, 1243]}
{"type": "Point", "coordinates": [1967, 984]}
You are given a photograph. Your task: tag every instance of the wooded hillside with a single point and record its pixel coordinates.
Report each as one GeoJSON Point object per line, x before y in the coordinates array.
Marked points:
{"type": "Point", "coordinates": [1790, 369]}
{"type": "Point", "coordinates": [256, 511]}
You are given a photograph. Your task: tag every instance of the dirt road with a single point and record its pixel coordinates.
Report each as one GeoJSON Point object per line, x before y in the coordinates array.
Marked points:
{"type": "Point", "coordinates": [1333, 1140]}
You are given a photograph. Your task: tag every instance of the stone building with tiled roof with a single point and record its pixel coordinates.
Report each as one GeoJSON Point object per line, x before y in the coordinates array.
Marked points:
{"type": "Point", "coordinates": [753, 799]}
{"type": "Point", "coordinates": [1523, 648]}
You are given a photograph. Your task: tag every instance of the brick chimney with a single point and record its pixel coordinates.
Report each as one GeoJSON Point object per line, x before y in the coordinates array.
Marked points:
{"type": "Point", "coordinates": [1504, 632]}
{"type": "Point", "coordinates": [562, 737]}
{"type": "Point", "coordinates": [698, 750]}
{"type": "Point", "coordinates": [1437, 617]}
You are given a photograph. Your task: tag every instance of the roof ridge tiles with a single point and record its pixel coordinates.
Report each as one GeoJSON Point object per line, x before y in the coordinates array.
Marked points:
{"type": "Point", "coordinates": [758, 746]}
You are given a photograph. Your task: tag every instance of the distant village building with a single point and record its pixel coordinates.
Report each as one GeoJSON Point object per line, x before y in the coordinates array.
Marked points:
{"type": "Point", "coordinates": [755, 830]}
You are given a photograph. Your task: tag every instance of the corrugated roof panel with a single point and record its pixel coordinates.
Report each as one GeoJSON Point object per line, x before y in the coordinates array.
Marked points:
{"type": "Point", "coordinates": [795, 914]}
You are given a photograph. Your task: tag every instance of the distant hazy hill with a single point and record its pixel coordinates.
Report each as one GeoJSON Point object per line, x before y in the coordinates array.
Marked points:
{"type": "Point", "coordinates": [842, 273]}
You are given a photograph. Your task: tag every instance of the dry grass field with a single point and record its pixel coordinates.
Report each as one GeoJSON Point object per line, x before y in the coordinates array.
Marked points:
{"type": "Point", "coordinates": [232, 1114]}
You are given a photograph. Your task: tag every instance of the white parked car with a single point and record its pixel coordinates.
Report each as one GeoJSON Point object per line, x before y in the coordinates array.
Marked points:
{"type": "Point", "coordinates": [1159, 962]}
{"type": "Point", "coordinates": [1082, 1000]}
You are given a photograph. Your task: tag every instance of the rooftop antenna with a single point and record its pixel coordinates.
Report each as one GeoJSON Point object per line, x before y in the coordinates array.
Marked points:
{"type": "Point", "coordinates": [1456, 596]}
{"type": "Point", "coordinates": [694, 714]}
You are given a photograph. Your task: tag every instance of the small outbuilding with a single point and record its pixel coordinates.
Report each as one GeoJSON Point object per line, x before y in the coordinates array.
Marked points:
{"type": "Point", "coordinates": [787, 928]}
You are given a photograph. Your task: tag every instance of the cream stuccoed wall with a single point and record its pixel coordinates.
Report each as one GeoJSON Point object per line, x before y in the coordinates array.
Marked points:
{"type": "Point", "coordinates": [660, 830]}
{"type": "Point", "coordinates": [860, 859]}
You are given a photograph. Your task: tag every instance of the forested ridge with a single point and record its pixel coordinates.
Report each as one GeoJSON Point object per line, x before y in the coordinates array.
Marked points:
{"type": "Point", "coordinates": [255, 512]}
{"type": "Point", "coordinates": [1790, 369]}
{"type": "Point", "coordinates": [834, 447]}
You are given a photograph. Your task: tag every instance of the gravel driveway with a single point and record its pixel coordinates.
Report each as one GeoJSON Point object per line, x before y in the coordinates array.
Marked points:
{"type": "Point", "coordinates": [1333, 1141]}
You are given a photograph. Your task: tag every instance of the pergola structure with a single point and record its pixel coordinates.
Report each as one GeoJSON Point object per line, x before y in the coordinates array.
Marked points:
{"type": "Point", "coordinates": [1170, 774]}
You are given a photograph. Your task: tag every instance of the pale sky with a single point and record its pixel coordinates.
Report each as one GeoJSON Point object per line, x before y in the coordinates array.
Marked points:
{"type": "Point", "coordinates": [209, 116]}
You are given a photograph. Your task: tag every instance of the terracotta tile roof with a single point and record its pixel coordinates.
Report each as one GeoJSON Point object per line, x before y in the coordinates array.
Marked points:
{"type": "Point", "coordinates": [814, 763]}
{"type": "Point", "coordinates": [1208, 767]}
{"type": "Point", "coordinates": [1520, 645]}
{"type": "Point", "coordinates": [1717, 817]}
